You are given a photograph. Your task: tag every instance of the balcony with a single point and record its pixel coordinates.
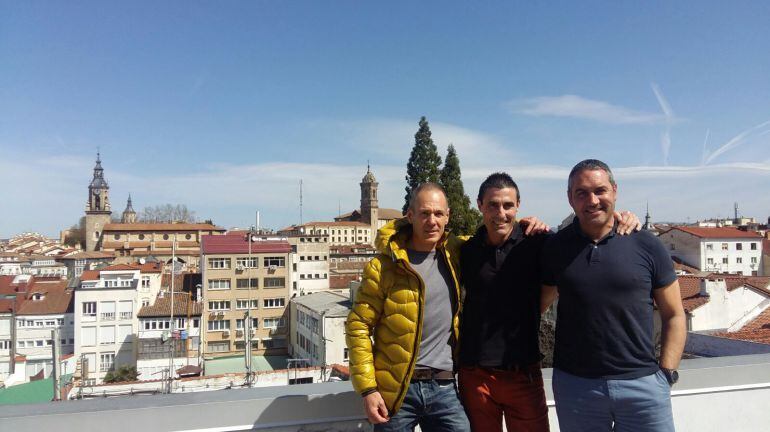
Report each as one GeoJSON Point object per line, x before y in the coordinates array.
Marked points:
{"type": "Point", "coordinates": [714, 394]}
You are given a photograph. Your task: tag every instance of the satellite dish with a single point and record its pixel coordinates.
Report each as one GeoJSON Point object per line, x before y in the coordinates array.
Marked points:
{"type": "Point", "coordinates": [254, 238]}
{"type": "Point", "coordinates": [142, 260]}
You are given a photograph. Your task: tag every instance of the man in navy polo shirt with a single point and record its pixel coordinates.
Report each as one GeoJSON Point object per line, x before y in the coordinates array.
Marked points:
{"type": "Point", "coordinates": [606, 376]}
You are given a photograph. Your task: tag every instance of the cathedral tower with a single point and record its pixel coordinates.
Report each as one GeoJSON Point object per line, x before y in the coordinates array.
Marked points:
{"type": "Point", "coordinates": [129, 215]}
{"type": "Point", "coordinates": [369, 206]}
{"type": "Point", "coordinates": [98, 210]}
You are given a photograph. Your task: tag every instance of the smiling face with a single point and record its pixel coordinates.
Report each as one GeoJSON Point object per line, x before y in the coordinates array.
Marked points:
{"type": "Point", "coordinates": [428, 215]}
{"type": "Point", "coordinates": [592, 197]}
{"type": "Point", "coordinates": [499, 207]}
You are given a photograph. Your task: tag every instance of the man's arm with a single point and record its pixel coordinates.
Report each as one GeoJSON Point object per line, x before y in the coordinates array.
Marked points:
{"type": "Point", "coordinates": [674, 331]}
{"type": "Point", "coordinates": [548, 294]}
{"type": "Point", "coordinates": [363, 317]}
{"type": "Point", "coordinates": [532, 225]}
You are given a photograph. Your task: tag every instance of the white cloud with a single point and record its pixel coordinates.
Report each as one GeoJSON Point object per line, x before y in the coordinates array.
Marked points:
{"type": "Point", "coordinates": [574, 106]}
{"type": "Point", "coordinates": [737, 140]}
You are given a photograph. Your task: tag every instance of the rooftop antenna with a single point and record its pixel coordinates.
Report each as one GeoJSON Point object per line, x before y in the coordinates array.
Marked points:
{"type": "Point", "coordinates": [736, 210]}
{"type": "Point", "coordinates": [300, 201]}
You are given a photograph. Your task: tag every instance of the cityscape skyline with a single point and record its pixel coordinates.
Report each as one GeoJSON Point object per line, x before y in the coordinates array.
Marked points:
{"type": "Point", "coordinates": [225, 109]}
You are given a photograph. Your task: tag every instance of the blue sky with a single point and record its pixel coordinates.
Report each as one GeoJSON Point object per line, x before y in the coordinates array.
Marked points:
{"type": "Point", "coordinates": [225, 106]}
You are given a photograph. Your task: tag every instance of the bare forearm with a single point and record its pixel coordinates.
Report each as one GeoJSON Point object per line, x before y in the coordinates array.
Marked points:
{"type": "Point", "coordinates": [673, 338]}
{"type": "Point", "coordinates": [547, 297]}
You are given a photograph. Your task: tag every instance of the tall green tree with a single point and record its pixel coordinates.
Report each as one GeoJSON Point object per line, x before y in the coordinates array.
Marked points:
{"type": "Point", "coordinates": [424, 162]}
{"type": "Point", "coordinates": [463, 219]}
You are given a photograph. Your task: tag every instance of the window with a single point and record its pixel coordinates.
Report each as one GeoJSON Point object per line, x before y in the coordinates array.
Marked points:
{"type": "Point", "coordinates": [106, 335]}
{"type": "Point", "coordinates": [5, 344]}
{"type": "Point", "coordinates": [247, 283]}
{"type": "Point", "coordinates": [345, 354]}
{"type": "Point", "coordinates": [244, 304]}
{"type": "Point", "coordinates": [273, 343]}
{"type": "Point", "coordinates": [50, 323]}
{"type": "Point", "coordinates": [117, 236]}
{"type": "Point", "coordinates": [89, 309]}
{"type": "Point", "coordinates": [165, 236]}
{"type": "Point", "coordinates": [753, 260]}
{"type": "Point", "coordinates": [710, 261]}
{"type": "Point", "coordinates": [219, 284]}
{"type": "Point", "coordinates": [753, 246]}
{"type": "Point", "coordinates": [275, 282]}
{"type": "Point", "coordinates": [145, 302]}
{"type": "Point", "coordinates": [145, 283]}
{"type": "Point", "coordinates": [275, 261]}
{"type": "Point", "coordinates": [141, 236]}
{"type": "Point", "coordinates": [219, 346]}
{"type": "Point", "coordinates": [196, 323]}
{"type": "Point", "coordinates": [107, 311]}
{"type": "Point", "coordinates": [188, 236]}
{"type": "Point", "coordinates": [219, 263]}
{"type": "Point", "coordinates": [739, 246]}
{"type": "Point", "coordinates": [215, 325]}
{"type": "Point", "coordinates": [219, 305]}
{"type": "Point", "coordinates": [724, 246]}
{"type": "Point", "coordinates": [88, 336]}
{"type": "Point", "coordinates": [247, 263]}
{"type": "Point", "coordinates": [739, 260]}
{"type": "Point", "coordinates": [125, 309]}
{"type": "Point", "coordinates": [274, 323]}
{"type": "Point", "coordinates": [60, 321]}
{"type": "Point", "coordinates": [274, 302]}
{"type": "Point", "coordinates": [107, 362]}
{"type": "Point", "coordinates": [38, 343]}
{"type": "Point", "coordinates": [724, 260]}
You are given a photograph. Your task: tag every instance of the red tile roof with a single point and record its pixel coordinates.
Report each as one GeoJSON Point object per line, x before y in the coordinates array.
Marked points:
{"type": "Point", "coordinates": [144, 268]}
{"type": "Point", "coordinates": [57, 299]}
{"type": "Point", "coordinates": [89, 275]}
{"type": "Point", "coordinates": [758, 330]}
{"type": "Point", "coordinates": [170, 227]}
{"type": "Point", "coordinates": [225, 244]}
{"type": "Point", "coordinates": [162, 306]}
{"type": "Point", "coordinates": [342, 281]}
{"type": "Point", "coordinates": [89, 255]}
{"type": "Point", "coordinates": [722, 233]}
{"type": "Point", "coordinates": [689, 287]}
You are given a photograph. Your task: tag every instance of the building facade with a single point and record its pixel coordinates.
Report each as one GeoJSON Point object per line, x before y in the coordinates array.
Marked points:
{"type": "Point", "coordinates": [318, 328]}
{"type": "Point", "coordinates": [722, 250]}
{"type": "Point", "coordinates": [246, 289]}
{"type": "Point", "coordinates": [310, 263]}
{"type": "Point", "coordinates": [106, 323]}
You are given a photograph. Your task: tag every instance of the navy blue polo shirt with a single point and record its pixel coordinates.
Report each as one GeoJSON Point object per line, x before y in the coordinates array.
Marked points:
{"type": "Point", "coordinates": [605, 313]}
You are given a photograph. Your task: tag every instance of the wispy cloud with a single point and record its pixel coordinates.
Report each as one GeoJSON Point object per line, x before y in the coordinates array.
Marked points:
{"type": "Point", "coordinates": [574, 106]}
{"type": "Point", "coordinates": [737, 140]}
{"type": "Point", "coordinates": [665, 140]}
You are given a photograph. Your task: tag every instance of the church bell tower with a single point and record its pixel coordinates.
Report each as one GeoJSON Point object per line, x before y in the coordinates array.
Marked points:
{"type": "Point", "coordinates": [98, 212]}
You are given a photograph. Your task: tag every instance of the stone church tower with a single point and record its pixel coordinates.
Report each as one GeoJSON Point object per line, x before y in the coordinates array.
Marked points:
{"type": "Point", "coordinates": [98, 212]}
{"type": "Point", "coordinates": [129, 215]}
{"type": "Point", "coordinates": [369, 205]}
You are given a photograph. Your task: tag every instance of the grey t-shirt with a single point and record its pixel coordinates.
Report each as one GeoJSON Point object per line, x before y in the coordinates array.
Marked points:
{"type": "Point", "coordinates": [436, 343]}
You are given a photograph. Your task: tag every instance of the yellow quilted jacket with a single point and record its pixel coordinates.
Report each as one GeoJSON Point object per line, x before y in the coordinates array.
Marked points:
{"type": "Point", "coordinates": [389, 306]}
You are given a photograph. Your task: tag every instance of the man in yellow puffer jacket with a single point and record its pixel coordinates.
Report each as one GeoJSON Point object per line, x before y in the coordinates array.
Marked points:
{"type": "Point", "coordinates": [409, 304]}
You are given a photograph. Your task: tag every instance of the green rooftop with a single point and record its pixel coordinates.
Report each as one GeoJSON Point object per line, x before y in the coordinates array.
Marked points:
{"type": "Point", "coordinates": [31, 392]}
{"type": "Point", "coordinates": [236, 364]}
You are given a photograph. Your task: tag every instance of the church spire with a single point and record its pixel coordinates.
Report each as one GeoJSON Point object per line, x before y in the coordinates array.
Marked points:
{"type": "Point", "coordinates": [647, 220]}
{"type": "Point", "coordinates": [129, 215]}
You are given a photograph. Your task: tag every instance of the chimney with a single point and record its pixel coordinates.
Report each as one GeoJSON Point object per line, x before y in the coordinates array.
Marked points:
{"type": "Point", "coordinates": [704, 288]}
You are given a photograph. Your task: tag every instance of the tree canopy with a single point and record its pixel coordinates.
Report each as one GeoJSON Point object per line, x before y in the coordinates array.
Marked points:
{"type": "Point", "coordinates": [424, 161]}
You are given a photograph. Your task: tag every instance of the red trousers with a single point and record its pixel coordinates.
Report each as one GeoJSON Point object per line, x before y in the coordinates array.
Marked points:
{"type": "Point", "coordinates": [489, 395]}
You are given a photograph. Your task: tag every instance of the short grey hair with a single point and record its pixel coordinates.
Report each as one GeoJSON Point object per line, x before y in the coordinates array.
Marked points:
{"type": "Point", "coordinates": [427, 186]}
{"type": "Point", "coordinates": [589, 165]}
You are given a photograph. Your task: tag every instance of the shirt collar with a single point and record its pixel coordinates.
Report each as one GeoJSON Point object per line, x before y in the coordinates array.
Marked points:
{"type": "Point", "coordinates": [516, 236]}
{"type": "Point", "coordinates": [581, 234]}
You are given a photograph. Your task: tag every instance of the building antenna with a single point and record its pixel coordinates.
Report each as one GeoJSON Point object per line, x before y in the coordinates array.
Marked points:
{"type": "Point", "coordinates": [736, 210]}
{"type": "Point", "coordinates": [300, 201]}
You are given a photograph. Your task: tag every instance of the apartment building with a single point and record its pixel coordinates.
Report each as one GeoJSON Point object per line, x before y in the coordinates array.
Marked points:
{"type": "Point", "coordinates": [310, 263]}
{"type": "Point", "coordinates": [722, 250]}
{"type": "Point", "coordinates": [318, 328]}
{"type": "Point", "coordinates": [246, 282]}
{"type": "Point", "coordinates": [159, 342]}
{"type": "Point", "coordinates": [77, 262]}
{"type": "Point", "coordinates": [47, 305]}
{"type": "Point", "coordinates": [105, 309]}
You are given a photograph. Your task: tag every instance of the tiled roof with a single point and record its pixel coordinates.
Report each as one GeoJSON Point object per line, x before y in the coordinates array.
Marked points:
{"type": "Point", "coordinates": [89, 275]}
{"type": "Point", "coordinates": [349, 249]}
{"type": "Point", "coordinates": [350, 265]}
{"type": "Point", "coordinates": [162, 306]}
{"type": "Point", "coordinates": [144, 268]}
{"type": "Point", "coordinates": [170, 227]}
{"type": "Point", "coordinates": [57, 299]}
{"type": "Point", "coordinates": [225, 244]}
{"type": "Point", "coordinates": [332, 224]}
{"type": "Point", "coordinates": [721, 233]}
{"type": "Point", "coordinates": [342, 281]}
{"type": "Point", "coordinates": [689, 287]}
{"type": "Point", "coordinates": [88, 255]}
{"type": "Point", "coordinates": [387, 213]}
{"type": "Point", "coordinates": [758, 330]}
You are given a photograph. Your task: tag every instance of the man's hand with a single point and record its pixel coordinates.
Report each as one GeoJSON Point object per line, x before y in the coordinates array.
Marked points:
{"type": "Point", "coordinates": [533, 225]}
{"type": "Point", "coordinates": [627, 222]}
{"type": "Point", "coordinates": [375, 408]}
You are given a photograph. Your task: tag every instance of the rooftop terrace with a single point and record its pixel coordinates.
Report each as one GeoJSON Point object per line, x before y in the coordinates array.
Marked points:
{"type": "Point", "coordinates": [714, 394]}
